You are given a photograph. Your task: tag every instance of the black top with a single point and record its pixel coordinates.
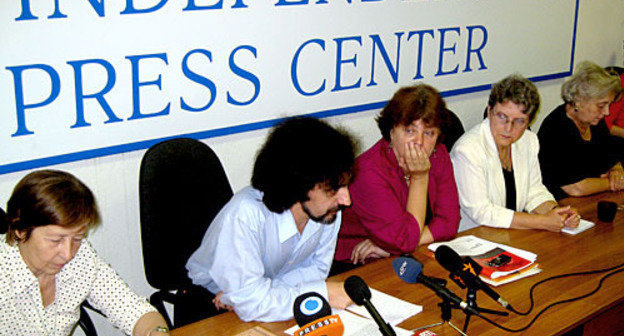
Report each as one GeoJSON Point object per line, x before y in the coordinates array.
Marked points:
{"type": "Point", "coordinates": [510, 189]}
{"type": "Point", "coordinates": [565, 158]}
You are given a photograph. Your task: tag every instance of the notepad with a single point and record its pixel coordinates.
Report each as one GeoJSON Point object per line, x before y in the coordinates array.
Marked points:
{"type": "Point", "coordinates": [583, 225]}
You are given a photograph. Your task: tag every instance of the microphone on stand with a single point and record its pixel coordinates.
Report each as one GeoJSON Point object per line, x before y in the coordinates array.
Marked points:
{"type": "Point", "coordinates": [313, 316]}
{"type": "Point", "coordinates": [359, 292]}
{"type": "Point", "coordinates": [410, 271]}
{"type": "Point", "coordinates": [467, 270]}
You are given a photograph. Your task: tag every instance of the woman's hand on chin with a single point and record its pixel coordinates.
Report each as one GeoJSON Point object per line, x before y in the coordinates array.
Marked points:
{"type": "Point", "coordinates": [415, 161]}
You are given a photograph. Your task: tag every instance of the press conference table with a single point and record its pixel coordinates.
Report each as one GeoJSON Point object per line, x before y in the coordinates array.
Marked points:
{"type": "Point", "coordinates": [599, 247]}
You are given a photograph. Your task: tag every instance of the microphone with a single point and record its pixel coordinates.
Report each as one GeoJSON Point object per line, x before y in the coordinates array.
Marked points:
{"type": "Point", "coordinates": [410, 271]}
{"type": "Point", "coordinates": [467, 270]}
{"type": "Point", "coordinates": [313, 316]}
{"type": "Point", "coordinates": [359, 292]}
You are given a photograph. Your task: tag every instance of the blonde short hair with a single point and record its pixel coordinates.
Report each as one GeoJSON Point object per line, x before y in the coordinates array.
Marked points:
{"type": "Point", "coordinates": [590, 81]}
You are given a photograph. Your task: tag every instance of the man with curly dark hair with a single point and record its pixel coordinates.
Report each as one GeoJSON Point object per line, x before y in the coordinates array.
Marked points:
{"type": "Point", "coordinates": [275, 239]}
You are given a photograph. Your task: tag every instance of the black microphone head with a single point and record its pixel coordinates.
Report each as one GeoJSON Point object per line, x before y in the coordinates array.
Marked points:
{"type": "Point", "coordinates": [408, 269]}
{"type": "Point", "coordinates": [309, 307]}
{"type": "Point", "coordinates": [357, 290]}
{"type": "Point", "coordinates": [448, 258]}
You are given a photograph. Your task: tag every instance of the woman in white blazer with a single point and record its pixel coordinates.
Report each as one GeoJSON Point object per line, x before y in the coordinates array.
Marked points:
{"type": "Point", "coordinates": [497, 170]}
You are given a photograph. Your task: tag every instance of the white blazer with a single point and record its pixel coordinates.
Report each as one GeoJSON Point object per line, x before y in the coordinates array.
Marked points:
{"type": "Point", "coordinates": [480, 182]}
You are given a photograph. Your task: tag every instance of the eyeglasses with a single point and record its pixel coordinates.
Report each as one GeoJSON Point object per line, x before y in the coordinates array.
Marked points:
{"type": "Point", "coordinates": [503, 119]}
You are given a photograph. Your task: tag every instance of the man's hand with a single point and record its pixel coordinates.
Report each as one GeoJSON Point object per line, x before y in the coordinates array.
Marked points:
{"type": "Point", "coordinates": [337, 296]}
{"type": "Point", "coordinates": [367, 249]}
{"type": "Point", "coordinates": [220, 305]}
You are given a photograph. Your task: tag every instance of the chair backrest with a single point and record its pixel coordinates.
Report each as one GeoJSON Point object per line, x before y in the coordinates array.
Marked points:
{"type": "Point", "coordinates": [182, 187]}
{"type": "Point", "coordinates": [454, 130]}
{"type": "Point", "coordinates": [615, 70]}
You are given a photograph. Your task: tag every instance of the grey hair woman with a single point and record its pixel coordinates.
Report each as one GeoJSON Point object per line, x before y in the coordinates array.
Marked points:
{"type": "Point", "coordinates": [579, 156]}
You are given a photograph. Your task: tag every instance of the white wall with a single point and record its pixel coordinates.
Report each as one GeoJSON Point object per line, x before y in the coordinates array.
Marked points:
{"type": "Point", "coordinates": [114, 179]}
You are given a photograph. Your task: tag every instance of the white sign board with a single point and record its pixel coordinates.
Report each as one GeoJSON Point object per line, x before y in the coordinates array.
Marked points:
{"type": "Point", "coordinates": [87, 78]}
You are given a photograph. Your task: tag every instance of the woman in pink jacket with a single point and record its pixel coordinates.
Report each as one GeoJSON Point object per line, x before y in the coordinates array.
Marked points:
{"type": "Point", "coordinates": [404, 193]}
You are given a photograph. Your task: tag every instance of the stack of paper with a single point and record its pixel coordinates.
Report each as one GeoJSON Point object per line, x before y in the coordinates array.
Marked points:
{"type": "Point", "coordinates": [501, 263]}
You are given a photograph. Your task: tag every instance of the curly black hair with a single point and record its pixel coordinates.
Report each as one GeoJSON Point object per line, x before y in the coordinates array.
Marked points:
{"type": "Point", "coordinates": [299, 154]}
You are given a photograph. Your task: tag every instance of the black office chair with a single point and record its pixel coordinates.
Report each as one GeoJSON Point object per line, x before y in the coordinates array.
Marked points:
{"type": "Point", "coordinates": [84, 322]}
{"type": "Point", "coordinates": [182, 187]}
{"type": "Point", "coordinates": [616, 70]}
{"type": "Point", "coordinates": [453, 131]}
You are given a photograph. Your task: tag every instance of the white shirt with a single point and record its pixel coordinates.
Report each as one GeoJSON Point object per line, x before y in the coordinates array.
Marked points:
{"type": "Point", "coordinates": [86, 276]}
{"type": "Point", "coordinates": [480, 181]}
{"type": "Point", "coordinates": [259, 259]}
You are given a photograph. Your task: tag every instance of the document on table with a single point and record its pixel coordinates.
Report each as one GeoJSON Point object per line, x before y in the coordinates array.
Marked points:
{"type": "Point", "coordinates": [473, 246]}
{"type": "Point", "coordinates": [392, 309]}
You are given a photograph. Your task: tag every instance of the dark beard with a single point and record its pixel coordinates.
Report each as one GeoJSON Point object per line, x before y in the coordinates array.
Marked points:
{"type": "Point", "coordinates": [326, 218]}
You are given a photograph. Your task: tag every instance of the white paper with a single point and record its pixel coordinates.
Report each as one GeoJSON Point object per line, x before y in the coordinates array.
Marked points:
{"type": "Point", "coordinates": [583, 225]}
{"type": "Point", "coordinates": [471, 246]}
{"type": "Point", "coordinates": [392, 309]}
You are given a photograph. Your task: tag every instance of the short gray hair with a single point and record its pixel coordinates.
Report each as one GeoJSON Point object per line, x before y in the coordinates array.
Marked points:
{"type": "Point", "coordinates": [590, 81]}
{"type": "Point", "coordinates": [518, 90]}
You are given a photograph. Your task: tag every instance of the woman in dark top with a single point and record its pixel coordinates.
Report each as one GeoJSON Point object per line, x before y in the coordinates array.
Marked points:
{"type": "Point", "coordinates": [578, 155]}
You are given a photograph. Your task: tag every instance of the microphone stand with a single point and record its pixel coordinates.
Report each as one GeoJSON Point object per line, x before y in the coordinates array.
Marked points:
{"type": "Point", "coordinates": [446, 307]}
{"type": "Point", "coordinates": [471, 299]}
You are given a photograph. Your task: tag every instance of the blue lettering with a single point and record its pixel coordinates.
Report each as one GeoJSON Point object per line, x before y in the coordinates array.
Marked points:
{"type": "Point", "coordinates": [218, 5]}
{"type": "Point", "coordinates": [99, 96]}
{"type": "Point", "coordinates": [131, 10]}
{"type": "Point", "coordinates": [421, 38]}
{"type": "Point", "coordinates": [20, 106]}
{"type": "Point", "coordinates": [210, 85]}
{"type": "Point", "coordinates": [136, 101]}
{"type": "Point", "coordinates": [57, 12]}
{"type": "Point", "coordinates": [340, 61]}
{"type": "Point", "coordinates": [394, 70]}
{"type": "Point", "coordinates": [244, 74]}
{"type": "Point", "coordinates": [444, 49]}
{"type": "Point", "coordinates": [476, 50]}
{"type": "Point", "coordinates": [294, 65]}
{"type": "Point", "coordinates": [305, 2]}
{"type": "Point", "coordinates": [26, 13]}
{"type": "Point", "coordinates": [98, 6]}
{"type": "Point", "coordinates": [288, 3]}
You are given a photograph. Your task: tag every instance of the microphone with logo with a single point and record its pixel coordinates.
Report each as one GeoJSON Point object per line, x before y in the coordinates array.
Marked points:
{"type": "Point", "coordinates": [410, 271]}
{"type": "Point", "coordinates": [359, 292]}
{"type": "Point", "coordinates": [468, 272]}
{"type": "Point", "coordinates": [313, 316]}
